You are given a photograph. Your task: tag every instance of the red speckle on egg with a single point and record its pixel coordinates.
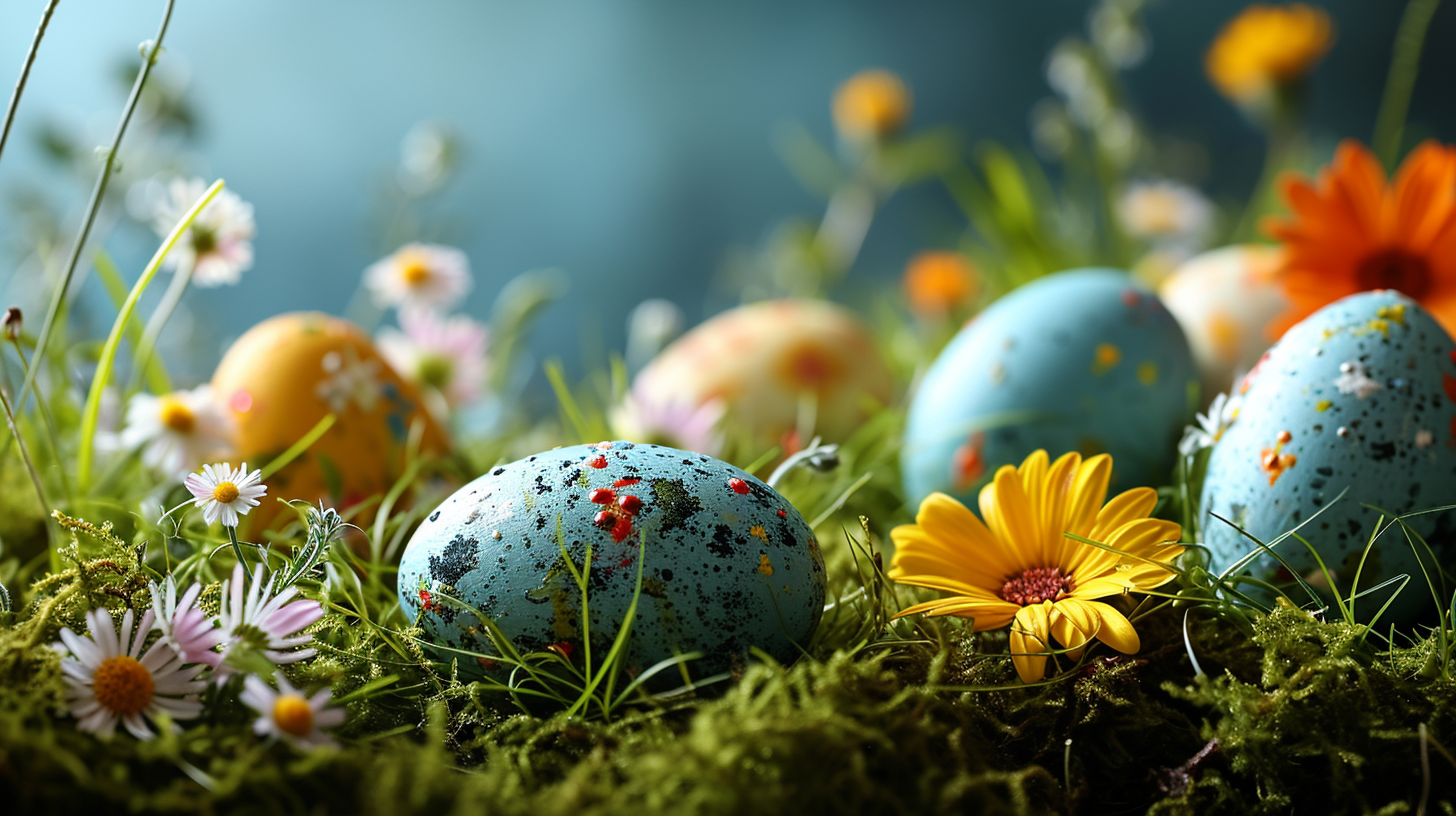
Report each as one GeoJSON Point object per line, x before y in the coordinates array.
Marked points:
{"type": "Point", "coordinates": [1130, 297]}
{"type": "Point", "coordinates": [622, 529]}
{"type": "Point", "coordinates": [1449, 384]}
{"type": "Point", "coordinates": [628, 482]}
{"type": "Point", "coordinates": [783, 514]}
{"type": "Point", "coordinates": [605, 519]}
{"type": "Point", "coordinates": [1284, 437]}
{"type": "Point", "coordinates": [629, 504]}
{"type": "Point", "coordinates": [602, 496]}
{"type": "Point", "coordinates": [598, 463]}
{"type": "Point", "coordinates": [427, 601]}
{"type": "Point", "coordinates": [739, 486]}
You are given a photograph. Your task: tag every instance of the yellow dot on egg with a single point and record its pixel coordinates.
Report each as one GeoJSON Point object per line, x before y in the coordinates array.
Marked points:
{"type": "Point", "coordinates": [759, 533]}
{"type": "Point", "coordinates": [1323, 405]}
{"type": "Point", "coordinates": [1107, 356]}
{"type": "Point", "coordinates": [1147, 373]}
{"type": "Point", "coordinates": [1394, 312]}
{"type": "Point", "coordinates": [1382, 326]}
{"type": "Point", "coordinates": [763, 565]}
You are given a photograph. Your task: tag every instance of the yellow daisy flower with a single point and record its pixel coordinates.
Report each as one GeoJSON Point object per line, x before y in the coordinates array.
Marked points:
{"type": "Point", "coordinates": [1019, 569]}
{"type": "Point", "coordinates": [1267, 46]}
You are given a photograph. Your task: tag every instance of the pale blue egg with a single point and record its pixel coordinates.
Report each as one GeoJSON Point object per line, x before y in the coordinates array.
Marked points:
{"type": "Point", "coordinates": [727, 564]}
{"type": "Point", "coordinates": [1359, 398]}
{"type": "Point", "coordinates": [1086, 360]}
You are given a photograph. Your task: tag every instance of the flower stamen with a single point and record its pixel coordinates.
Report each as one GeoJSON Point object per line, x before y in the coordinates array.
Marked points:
{"type": "Point", "coordinates": [1036, 584]}
{"type": "Point", "coordinates": [293, 715]}
{"type": "Point", "coordinates": [175, 415]}
{"type": "Point", "coordinates": [123, 685]}
{"type": "Point", "coordinates": [225, 493]}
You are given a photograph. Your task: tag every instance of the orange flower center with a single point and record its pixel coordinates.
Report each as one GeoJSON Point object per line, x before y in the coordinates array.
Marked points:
{"type": "Point", "coordinates": [415, 273]}
{"type": "Point", "coordinates": [293, 715]}
{"type": "Point", "coordinates": [1037, 584]}
{"type": "Point", "coordinates": [123, 685]}
{"type": "Point", "coordinates": [1395, 269]}
{"type": "Point", "coordinates": [225, 493]}
{"type": "Point", "coordinates": [177, 416]}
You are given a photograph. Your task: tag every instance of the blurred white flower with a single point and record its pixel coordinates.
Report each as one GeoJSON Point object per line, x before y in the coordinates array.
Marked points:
{"type": "Point", "coordinates": [676, 424]}
{"type": "Point", "coordinates": [1211, 426]}
{"type": "Point", "coordinates": [218, 246]}
{"type": "Point", "coordinates": [176, 432]}
{"type": "Point", "coordinates": [444, 354]}
{"type": "Point", "coordinates": [652, 325]}
{"type": "Point", "coordinates": [225, 493]}
{"type": "Point", "coordinates": [349, 380]}
{"type": "Point", "coordinates": [420, 275]}
{"type": "Point", "coordinates": [427, 156]}
{"type": "Point", "coordinates": [1167, 214]}
{"type": "Point", "coordinates": [289, 715]}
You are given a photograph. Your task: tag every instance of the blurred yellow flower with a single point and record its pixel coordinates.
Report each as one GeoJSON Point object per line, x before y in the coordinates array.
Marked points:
{"type": "Point", "coordinates": [1267, 46]}
{"type": "Point", "coordinates": [1019, 569]}
{"type": "Point", "coordinates": [871, 104]}
{"type": "Point", "coordinates": [938, 282]}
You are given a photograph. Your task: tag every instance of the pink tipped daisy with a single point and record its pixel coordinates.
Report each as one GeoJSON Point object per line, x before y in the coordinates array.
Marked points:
{"type": "Point", "coordinates": [185, 627]}
{"type": "Point", "coordinates": [420, 275]}
{"type": "Point", "coordinates": [111, 680]}
{"type": "Point", "coordinates": [225, 494]}
{"type": "Point", "coordinates": [445, 354]}
{"type": "Point", "coordinates": [265, 623]}
{"type": "Point", "coordinates": [288, 714]}
{"type": "Point", "coordinates": [676, 424]}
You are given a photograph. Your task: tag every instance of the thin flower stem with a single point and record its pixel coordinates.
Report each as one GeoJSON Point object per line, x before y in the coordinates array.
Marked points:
{"type": "Point", "coordinates": [1405, 64]}
{"type": "Point", "coordinates": [232, 534]}
{"type": "Point", "coordinates": [24, 452]}
{"type": "Point", "coordinates": [45, 20]}
{"type": "Point", "coordinates": [173, 296]}
{"type": "Point", "coordinates": [58, 299]}
{"type": "Point", "coordinates": [92, 410]}
{"type": "Point", "coordinates": [46, 421]}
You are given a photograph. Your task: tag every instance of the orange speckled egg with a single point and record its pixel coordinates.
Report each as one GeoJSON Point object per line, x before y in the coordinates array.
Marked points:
{"type": "Point", "coordinates": [763, 358]}
{"type": "Point", "coordinates": [283, 376]}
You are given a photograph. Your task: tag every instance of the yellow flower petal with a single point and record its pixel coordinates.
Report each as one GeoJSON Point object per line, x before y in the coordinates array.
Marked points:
{"type": "Point", "coordinates": [1115, 630]}
{"type": "Point", "coordinates": [1073, 625]}
{"type": "Point", "coordinates": [1089, 488]}
{"type": "Point", "coordinates": [1009, 519]}
{"type": "Point", "coordinates": [1031, 641]}
{"type": "Point", "coordinates": [1122, 508]}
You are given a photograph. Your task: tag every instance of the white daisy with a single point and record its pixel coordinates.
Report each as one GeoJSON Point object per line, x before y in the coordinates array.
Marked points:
{"type": "Point", "coordinates": [421, 275]}
{"type": "Point", "coordinates": [1211, 426]}
{"type": "Point", "coordinates": [1167, 214]}
{"type": "Point", "coordinates": [1355, 380]}
{"type": "Point", "coordinates": [349, 380]}
{"type": "Point", "coordinates": [111, 680]}
{"type": "Point", "coordinates": [225, 494]}
{"type": "Point", "coordinates": [289, 715]}
{"type": "Point", "coordinates": [444, 354]}
{"type": "Point", "coordinates": [218, 246]}
{"type": "Point", "coordinates": [184, 626]}
{"type": "Point", "coordinates": [265, 623]}
{"type": "Point", "coordinates": [176, 432]}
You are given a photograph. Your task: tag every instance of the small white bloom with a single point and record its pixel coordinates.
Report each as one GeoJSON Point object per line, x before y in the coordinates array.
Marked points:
{"type": "Point", "coordinates": [1166, 213]}
{"type": "Point", "coordinates": [420, 275]}
{"type": "Point", "coordinates": [225, 494]}
{"type": "Point", "coordinates": [218, 246]}
{"type": "Point", "coordinates": [1355, 380]}
{"type": "Point", "coordinates": [351, 380]}
{"type": "Point", "coordinates": [184, 626]}
{"type": "Point", "coordinates": [265, 622]}
{"type": "Point", "coordinates": [1211, 426]}
{"type": "Point", "coordinates": [178, 431]}
{"type": "Point", "coordinates": [288, 714]}
{"type": "Point", "coordinates": [444, 354]}
{"type": "Point", "coordinates": [676, 424]}
{"type": "Point", "coordinates": [111, 680]}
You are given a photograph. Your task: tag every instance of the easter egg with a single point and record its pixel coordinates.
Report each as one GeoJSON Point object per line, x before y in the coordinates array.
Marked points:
{"type": "Point", "coordinates": [763, 360]}
{"type": "Point", "coordinates": [1086, 360]}
{"type": "Point", "coordinates": [1360, 398]}
{"type": "Point", "coordinates": [285, 375]}
{"type": "Point", "coordinates": [725, 563]}
{"type": "Point", "coordinates": [1224, 299]}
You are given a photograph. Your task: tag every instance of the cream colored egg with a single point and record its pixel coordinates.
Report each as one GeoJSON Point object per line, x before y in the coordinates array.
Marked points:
{"type": "Point", "coordinates": [285, 375]}
{"type": "Point", "coordinates": [1224, 299]}
{"type": "Point", "coordinates": [765, 359]}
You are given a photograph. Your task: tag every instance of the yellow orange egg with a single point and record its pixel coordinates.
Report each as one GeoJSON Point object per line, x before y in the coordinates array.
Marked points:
{"type": "Point", "coordinates": [765, 360]}
{"type": "Point", "coordinates": [285, 375]}
{"type": "Point", "coordinates": [1224, 299]}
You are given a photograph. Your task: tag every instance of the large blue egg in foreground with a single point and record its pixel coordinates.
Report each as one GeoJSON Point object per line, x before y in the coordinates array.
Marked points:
{"type": "Point", "coordinates": [727, 563]}
{"type": "Point", "coordinates": [1086, 360]}
{"type": "Point", "coordinates": [1357, 398]}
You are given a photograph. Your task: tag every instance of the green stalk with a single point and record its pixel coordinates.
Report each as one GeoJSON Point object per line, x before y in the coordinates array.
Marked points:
{"type": "Point", "coordinates": [45, 20]}
{"type": "Point", "coordinates": [58, 299]}
{"type": "Point", "coordinates": [1405, 64]}
{"type": "Point", "coordinates": [148, 345]}
{"type": "Point", "coordinates": [91, 413]}
{"type": "Point", "coordinates": [155, 371]}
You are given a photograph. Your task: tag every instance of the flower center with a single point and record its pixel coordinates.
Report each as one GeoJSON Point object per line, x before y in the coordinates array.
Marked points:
{"type": "Point", "coordinates": [415, 273]}
{"type": "Point", "coordinates": [225, 493]}
{"type": "Point", "coordinates": [203, 240]}
{"type": "Point", "coordinates": [293, 715]}
{"type": "Point", "coordinates": [123, 685]}
{"type": "Point", "coordinates": [435, 370]}
{"type": "Point", "coordinates": [177, 416]}
{"type": "Point", "coordinates": [1037, 584]}
{"type": "Point", "coordinates": [1395, 269]}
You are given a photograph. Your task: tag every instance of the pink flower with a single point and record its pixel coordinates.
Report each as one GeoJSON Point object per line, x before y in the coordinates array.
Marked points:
{"type": "Point", "coordinates": [262, 622]}
{"type": "Point", "coordinates": [188, 629]}
{"type": "Point", "coordinates": [445, 354]}
{"type": "Point", "coordinates": [676, 424]}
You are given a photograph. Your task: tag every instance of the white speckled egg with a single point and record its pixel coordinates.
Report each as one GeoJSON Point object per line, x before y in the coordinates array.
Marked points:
{"type": "Point", "coordinates": [1224, 299]}
{"type": "Point", "coordinates": [1359, 395]}
{"type": "Point", "coordinates": [1086, 360]}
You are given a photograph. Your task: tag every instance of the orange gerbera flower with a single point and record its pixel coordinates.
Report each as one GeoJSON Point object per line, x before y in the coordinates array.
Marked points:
{"type": "Point", "coordinates": [1351, 232]}
{"type": "Point", "coordinates": [1265, 47]}
{"type": "Point", "coordinates": [937, 282]}
{"type": "Point", "coordinates": [1019, 568]}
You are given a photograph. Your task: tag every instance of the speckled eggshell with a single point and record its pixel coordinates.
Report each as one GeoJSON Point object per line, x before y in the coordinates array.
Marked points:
{"type": "Point", "coordinates": [729, 563]}
{"type": "Point", "coordinates": [1224, 300]}
{"type": "Point", "coordinates": [1359, 396]}
{"type": "Point", "coordinates": [1086, 360]}
{"type": "Point", "coordinates": [761, 359]}
{"type": "Point", "coordinates": [286, 374]}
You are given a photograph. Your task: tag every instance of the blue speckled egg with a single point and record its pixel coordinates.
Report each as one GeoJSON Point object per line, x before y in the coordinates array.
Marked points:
{"type": "Point", "coordinates": [727, 563]}
{"type": "Point", "coordinates": [1086, 360]}
{"type": "Point", "coordinates": [1359, 395]}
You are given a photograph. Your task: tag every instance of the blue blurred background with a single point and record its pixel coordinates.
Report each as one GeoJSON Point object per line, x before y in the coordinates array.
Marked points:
{"type": "Point", "coordinates": [630, 144]}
